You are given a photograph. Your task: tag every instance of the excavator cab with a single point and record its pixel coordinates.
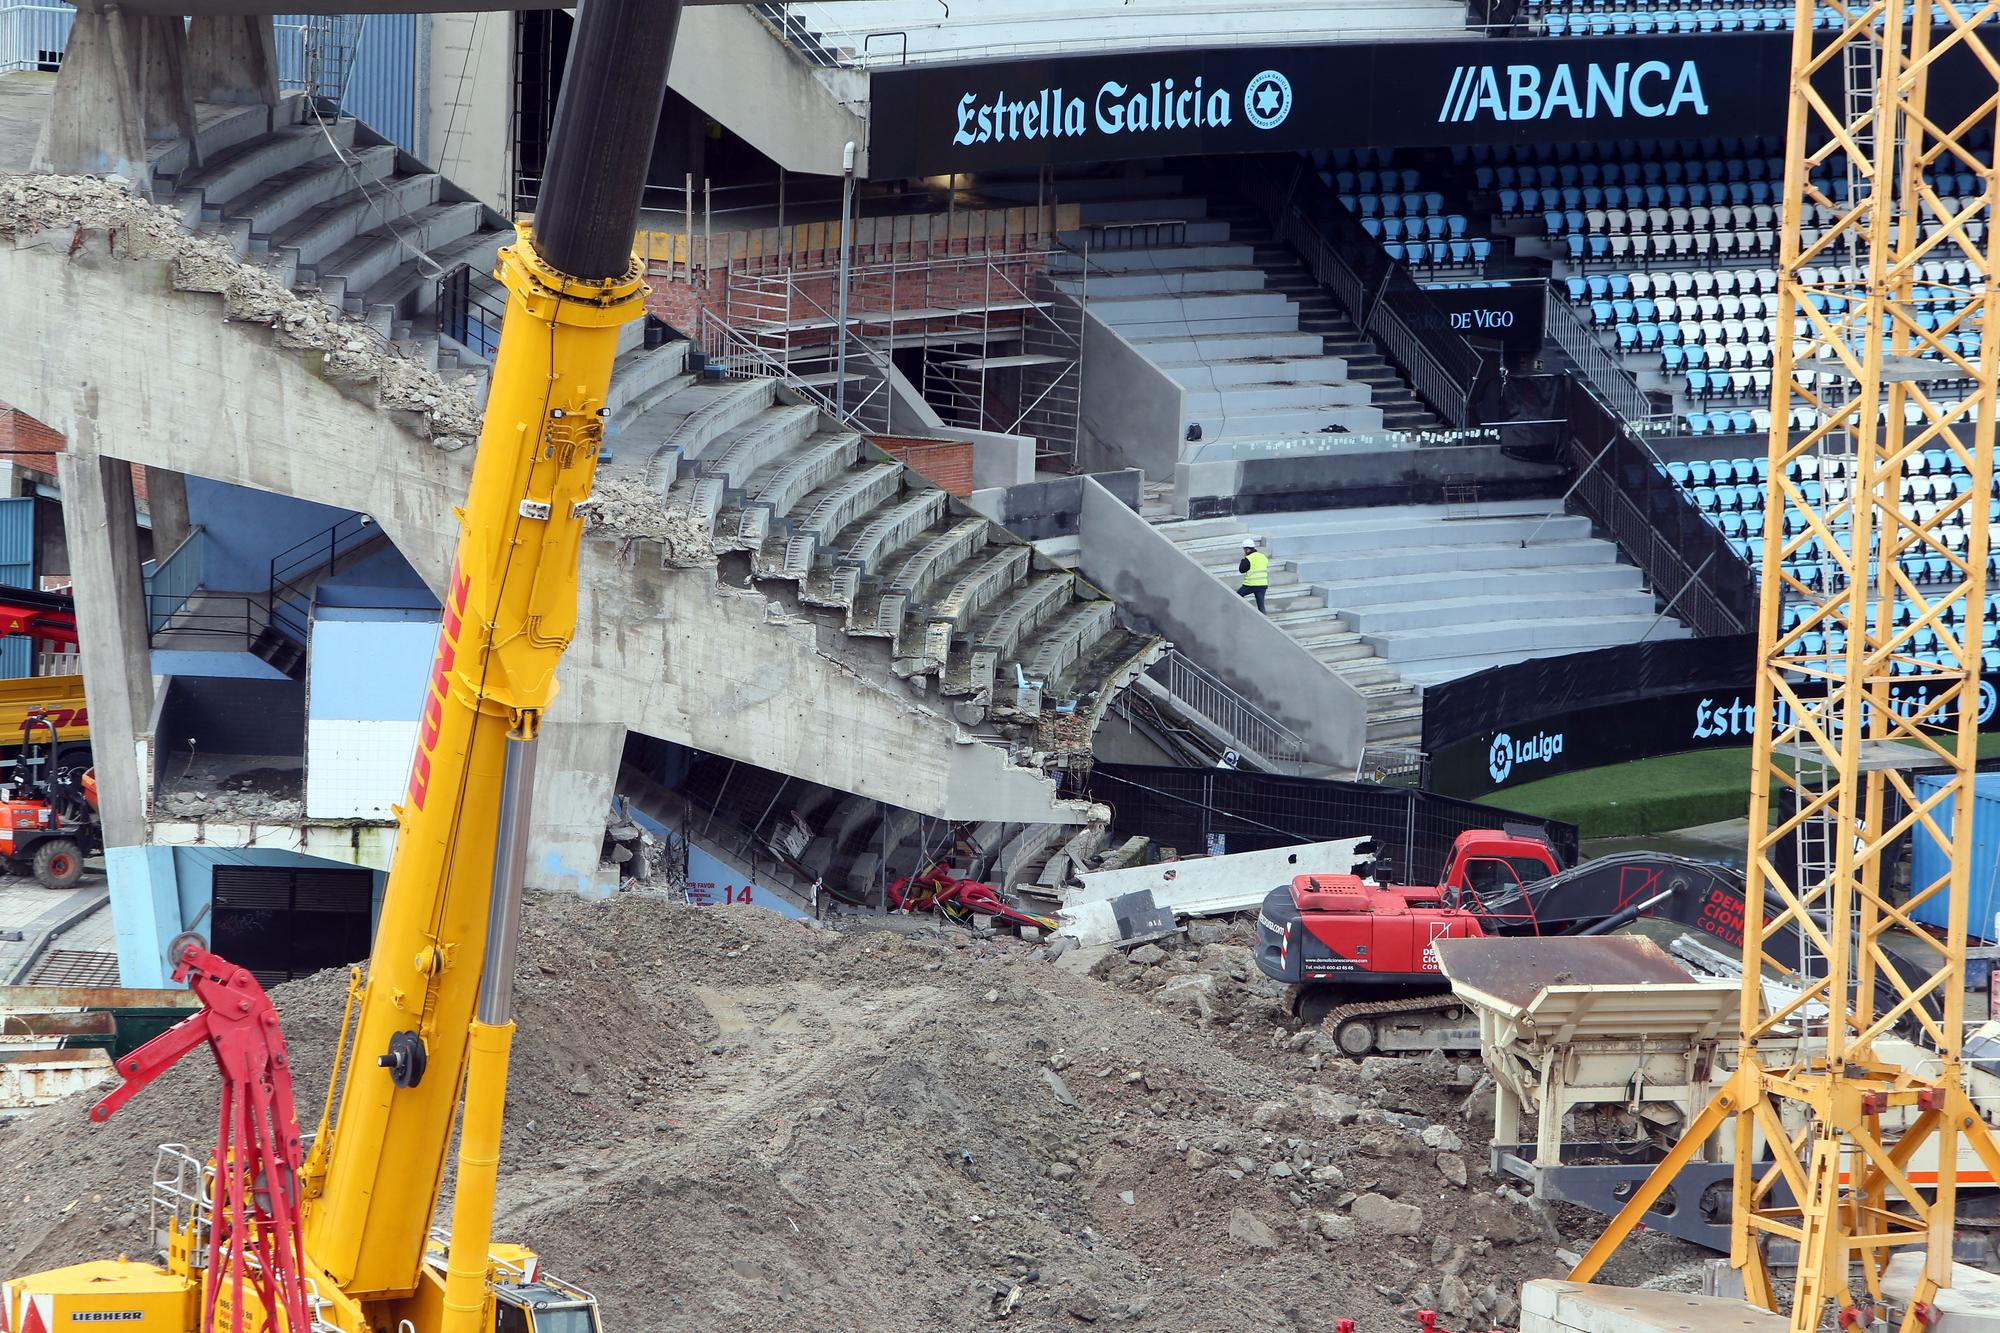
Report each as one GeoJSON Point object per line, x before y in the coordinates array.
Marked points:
{"type": "Point", "coordinates": [545, 1306]}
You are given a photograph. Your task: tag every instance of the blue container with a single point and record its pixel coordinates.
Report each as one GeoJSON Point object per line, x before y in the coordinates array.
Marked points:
{"type": "Point", "coordinates": [1929, 861]}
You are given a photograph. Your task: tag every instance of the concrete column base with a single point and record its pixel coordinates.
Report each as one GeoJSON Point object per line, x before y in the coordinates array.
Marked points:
{"type": "Point", "coordinates": [145, 912]}
{"type": "Point", "coordinates": [97, 121]}
{"type": "Point", "coordinates": [101, 523]}
{"type": "Point", "coordinates": [233, 58]}
{"type": "Point", "coordinates": [576, 774]}
{"type": "Point", "coordinates": [167, 501]}
{"type": "Point", "coordinates": [1552, 1306]}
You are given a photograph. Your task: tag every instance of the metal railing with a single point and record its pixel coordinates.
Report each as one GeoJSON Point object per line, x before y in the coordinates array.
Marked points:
{"type": "Point", "coordinates": [297, 570]}
{"type": "Point", "coordinates": [468, 314]}
{"type": "Point", "coordinates": [234, 616]}
{"type": "Point", "coordinates": [33, 37]}
{"type": "Point", "coordinates": [174, 578]}
{"type": "Point", "coordinates": [1601, 370]}
{"type": "Point", "coordinates": [1621, 489]}
{"type": "Point", "coordinates": [1381, 297]}
{"type": "Point", "coordinates": [1201, 691]}
{"type": "Point", "coordinates": [735, 355]}
{"type": "Point", "coordinates": [819, 35]}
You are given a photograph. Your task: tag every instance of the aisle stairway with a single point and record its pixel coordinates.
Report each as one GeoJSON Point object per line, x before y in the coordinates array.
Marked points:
{"type": "Point", "coordinates": [1395, 713]}
{"type": "Point", "coordinates": [1397, 598]}
{"type": "Point", "coordinates": [1199, 288]}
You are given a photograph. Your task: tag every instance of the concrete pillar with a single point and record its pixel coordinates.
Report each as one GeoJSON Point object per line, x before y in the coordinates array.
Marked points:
{"type": "Point", "coordinates": [96, 123]}
{"type": "Point", "coordinates": [576, 773]}
{"type": "Point", "coordinates": [167, 501]}
{"type": "Point", "coordinates": [145, 912]}
{"type": "Point", "coordinates": [233, 58]}
{"type": "Point", "coordinates": [165, 98]}
{"type": "Point", "coordinates": [101, 520]}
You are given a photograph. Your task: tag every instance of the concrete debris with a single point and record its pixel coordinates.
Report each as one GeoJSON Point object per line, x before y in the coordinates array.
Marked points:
{"type": "Point", "coordinates": [631, 510]}
{"type": "Point", "coordinates": [837, 1133]}
{"type": "Point", "coordinates": [70, 211]}
{"type": "Point", "coordinates": [1388, 1216]}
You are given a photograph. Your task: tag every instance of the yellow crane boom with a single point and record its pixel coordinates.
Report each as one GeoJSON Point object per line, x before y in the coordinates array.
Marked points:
{"type": "Point", "coordinates": [434, 1023]}
{"type": "Point", "coordinates": [1876, 380]}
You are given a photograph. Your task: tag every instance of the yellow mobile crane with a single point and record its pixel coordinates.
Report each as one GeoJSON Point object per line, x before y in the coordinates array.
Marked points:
{"type": "Point", "coordinates": [340, 1242]}
{"type": "Point", "coordinates": [1886, 352]}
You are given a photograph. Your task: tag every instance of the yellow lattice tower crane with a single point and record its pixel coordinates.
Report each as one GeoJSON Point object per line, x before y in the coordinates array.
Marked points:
{"type": "Point", "coordinates": [1816, 1159]}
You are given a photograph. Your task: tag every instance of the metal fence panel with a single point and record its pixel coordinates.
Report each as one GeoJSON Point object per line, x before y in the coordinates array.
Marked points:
{"type": "Point", "coordinates": [33, 36]}
{"type": "Point", "coordinates": [371, 61]}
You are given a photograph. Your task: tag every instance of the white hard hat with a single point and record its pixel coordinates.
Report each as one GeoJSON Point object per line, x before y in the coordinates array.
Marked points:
{"type": "Point", "coordinates": [1249, 542]}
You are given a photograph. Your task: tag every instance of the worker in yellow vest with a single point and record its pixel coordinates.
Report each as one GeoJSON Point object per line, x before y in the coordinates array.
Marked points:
{"type": "Point", "coordinates": [1256, 571]}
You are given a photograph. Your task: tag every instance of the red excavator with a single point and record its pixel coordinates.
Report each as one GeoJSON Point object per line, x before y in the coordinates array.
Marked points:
{"type": "Point", "coordinates": [1358, 951]}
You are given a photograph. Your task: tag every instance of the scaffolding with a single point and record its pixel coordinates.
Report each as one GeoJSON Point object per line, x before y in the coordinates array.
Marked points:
{"type": "Point", "coordinates": [987, 340]}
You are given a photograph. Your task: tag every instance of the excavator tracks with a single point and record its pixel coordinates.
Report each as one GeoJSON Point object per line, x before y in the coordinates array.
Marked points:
{"type": "Point", "coordinates": [1413, 1025]}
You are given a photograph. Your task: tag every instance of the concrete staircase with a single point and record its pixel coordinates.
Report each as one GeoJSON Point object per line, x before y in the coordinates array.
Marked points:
{"type": "Point", "coordinates": [1260, 349]}
{"type": "Point", "coordinates": [1395, 713]}
{"type": "Point", "coordinates": [962, 607]}
{"type": "Point", "coordinates": [1443, 591]}
{"type": "Point", "coordinates": [1398, 598]}
{"type": "Point", "coordinates": [333, 208]}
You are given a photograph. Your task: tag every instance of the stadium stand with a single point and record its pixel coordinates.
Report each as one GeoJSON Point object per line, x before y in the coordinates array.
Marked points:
{"type": "Point", "coordinates": [866, 32]}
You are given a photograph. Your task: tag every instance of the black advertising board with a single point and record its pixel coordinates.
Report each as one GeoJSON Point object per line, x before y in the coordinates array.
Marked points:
{"type": "Point", "coordinates": [933, 119]}
{"type": "Point", "coordinates": [1655, 699]}
{"type": "Point", "coordinates": [1510, 314]}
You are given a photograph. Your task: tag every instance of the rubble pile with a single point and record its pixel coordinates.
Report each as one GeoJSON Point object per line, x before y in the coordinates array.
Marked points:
{"type": "Point", "coordinates": [720, 1119]}
{"type": "Point", "coordinates": [631, 510]}
{"type": "Point", "coordinates": [63, 210]}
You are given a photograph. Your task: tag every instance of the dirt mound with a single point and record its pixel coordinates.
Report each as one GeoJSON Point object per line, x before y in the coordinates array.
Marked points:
{"type": "Point", "coordinates": [722, 1120]}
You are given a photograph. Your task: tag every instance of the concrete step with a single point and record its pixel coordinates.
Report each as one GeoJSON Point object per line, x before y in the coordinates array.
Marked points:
{"type": "Point", "coordinates": [323, 230]}
{"type": "Point", "coordinates": [1101, 261]}
{"type": "Point", "coordinates": [1138, 331]}
{"type": "Point", "coordinates": [1096, 212]}
{"type": "Point", "coordinates": [1545, 581]}
{"type": "Point", "coordinates": [1158, 282]}
{"type": "Point", "coordinates": [1198, 529]}
{"type": "Point", "coordinates": [640, 371]}
{"type": "Point", "coordinates": [1367, 534]}
{"type": "Point", "coordinates": [1248, 398]}
{"type": "Point", "coordinates": [1507, 636]}
{"type": "Point", "coordinates": [410, 289]}
{"type": "Point", "coordinates": [278, 201]}
{"type": "Point", "coordinates": [1262, 370]}
{"type": "Point", "coordinates": [346, 275]}
{"type": "Point", "coordinates": [1174, 347]}
{"type": "Point", "coordinates": [1122, 312]}
{"type": "Point", "coordinates": [1474, 612]}
{"type": "Point", "coordinates": [1361, 418]}
{"type": "Point", "coordinates": [1336, 569]}
{"type": "Point", "coordinates": [1200, 231]}
{"type": "Point", "coordinates": [1074, 189]}
{"type": "Point", "coordinates": [244, 168]}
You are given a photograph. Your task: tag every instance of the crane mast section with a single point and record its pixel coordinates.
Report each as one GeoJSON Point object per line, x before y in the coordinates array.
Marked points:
{"type": "Point", "coordinates": [510, 608]}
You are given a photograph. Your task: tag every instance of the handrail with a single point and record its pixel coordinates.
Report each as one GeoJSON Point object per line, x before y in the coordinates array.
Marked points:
{"type": "Point", "coordinates": [1381, 297]}
{"type": "Point", "coordinates": [295, 570]}
{"type": "Point", "coordinates": [1203, 692]}
{"type": "Point", "coordinates": [1601, 370]}
{"type": "Point", "coordinates": [738, 356]}
{"type": "Point", "coordinates": [468, 315]}
{"type": "Point", "coordinates": [175, 577]}
{"type": "Point", "coordinates": [1621, 489]}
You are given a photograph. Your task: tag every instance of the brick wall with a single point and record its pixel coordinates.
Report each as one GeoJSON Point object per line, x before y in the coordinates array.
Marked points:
{"type": "Point", "coordinates": [945, 463]}
{"type": "Point", "coordinates": [32, 446]}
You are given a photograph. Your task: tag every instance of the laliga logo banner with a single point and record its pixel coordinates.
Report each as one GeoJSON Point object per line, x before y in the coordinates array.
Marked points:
{"type": "Point", "coordinates": [1508, 754]}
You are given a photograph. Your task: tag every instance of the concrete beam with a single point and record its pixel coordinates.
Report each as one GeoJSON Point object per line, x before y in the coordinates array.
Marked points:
{"type": "Point", "coordinates": [165, 97]}
{"type": "Point", "coordinates": [576, 775]}
{"type": "Point", "coordinates": [233, 59]}
{"type": "Point", "coordinates": [145, 912]}
{"type": "Point", "coordinates": [113, 638]}
{"type": "Point", "coordinates": [1552, 1306]}
{"type": "Point", "coordinates": [679, 654]}
{"type": "Point", "coordinates": [96, 124]}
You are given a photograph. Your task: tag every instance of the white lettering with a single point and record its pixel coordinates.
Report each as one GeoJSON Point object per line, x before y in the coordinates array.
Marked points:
{"type": "Point", "coordinates": [1605, 93]}
{"type": "Point", "coordinates": [1656, 69]}
{"type": "Point", "coordinates": [1110, 115]}
{"type": "Point", "coordinates": [1687, 92]}
{"type": "Point", "coordinates": [1524, 86]}
{"type": "Point", "coordinates": [969, 113]}
{"type": "Point", "coordinates": [1562, 92]}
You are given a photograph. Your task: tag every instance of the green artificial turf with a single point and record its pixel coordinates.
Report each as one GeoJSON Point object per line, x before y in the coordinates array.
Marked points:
{"type": "Point", "coordinates": [1651, 795]}
{"type": "Point", "coordinates": [1644, 796]}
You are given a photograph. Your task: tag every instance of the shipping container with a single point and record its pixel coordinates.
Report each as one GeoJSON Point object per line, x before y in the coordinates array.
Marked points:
{"type": "Point", "coordinates": [1929, 861]}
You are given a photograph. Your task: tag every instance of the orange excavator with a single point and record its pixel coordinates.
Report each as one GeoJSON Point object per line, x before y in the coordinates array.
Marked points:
{"type": "Point", "coordinates": [48, 815]}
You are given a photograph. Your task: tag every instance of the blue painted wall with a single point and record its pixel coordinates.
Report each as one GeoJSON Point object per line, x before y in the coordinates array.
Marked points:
{"type": "Point", "coordinates": [245, 528]}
